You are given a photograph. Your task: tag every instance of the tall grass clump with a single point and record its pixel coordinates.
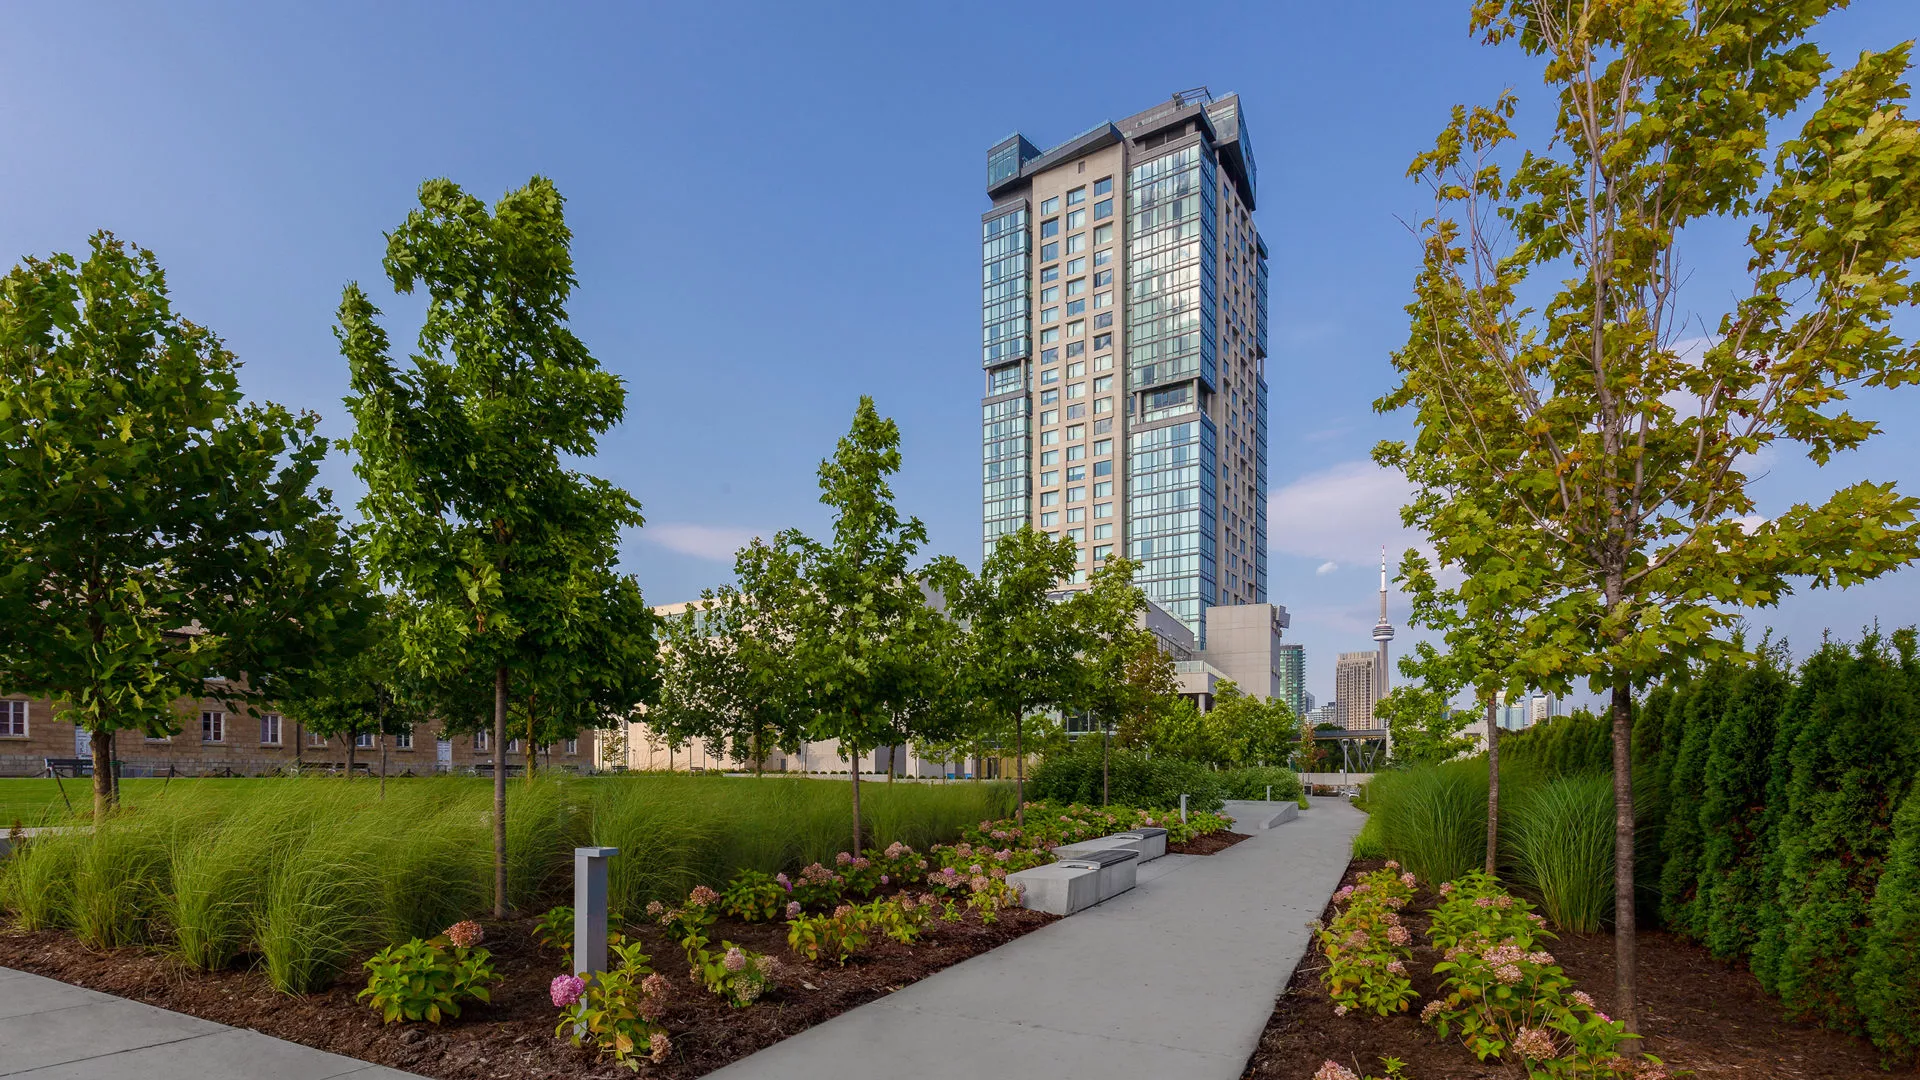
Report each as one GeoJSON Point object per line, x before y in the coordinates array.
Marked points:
{"type": "Point", "coordinates": [921, 815]}
{"type": "Point", "coordinates": [665, 834]}
{"type": "Point", "coordinates": [1368, 843]}
{"type": "Point", "coordinates": [1433, 818]}
{"type": "Point", "coordinates": [319, 903]}
{"type": "Point", "coordinates": [1560, 838]}
{"type": "Point", "coordinates": [216, 876]}
{"type": "Point", "coordinates": [36, 882]}
{"type": "Point", "coordinates": [119, 877]}
{"type": "Point", "coordinates": [546, 820]}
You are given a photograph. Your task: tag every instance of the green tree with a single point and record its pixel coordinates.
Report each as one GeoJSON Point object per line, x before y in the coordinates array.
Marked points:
{"type": "Point", "coordinates": [728, 670]}
{"type": "Point", "coordinates": [362, 689]}
{"type": "Point", "coordinates": [1856, 749]}
{"type": "Point", "coordinates": [861, 625]}
{"type": "Point", "coordinates": [1248, 730]}
{"type": "Point", "coordinates": [1732, 806]}
{"type": "Point", "coordinates": [471, 509]}
{"type": "Point", "coordinates": [156, 534]}
{"type": "Point", "coordinates": [1127, 673]}
{"type": "Point", "coordinates": [1606, 456]}
{"type": "Point", "coordinates": [1888, 981]}
{"type": "Point", "coordinates": [1025, 642]}
{"type": "Point", "coordinates": [1419, 715]}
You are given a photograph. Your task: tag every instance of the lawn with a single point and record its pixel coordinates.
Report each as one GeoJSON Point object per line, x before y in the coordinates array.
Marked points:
{"type": "Point", "coordinates": [38, 801]}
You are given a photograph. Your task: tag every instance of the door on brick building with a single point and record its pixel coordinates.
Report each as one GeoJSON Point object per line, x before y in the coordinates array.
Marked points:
{"type": "Point", "coordinates": [82, 742]}
{"type": "Point", "coordinates": [443, 755]}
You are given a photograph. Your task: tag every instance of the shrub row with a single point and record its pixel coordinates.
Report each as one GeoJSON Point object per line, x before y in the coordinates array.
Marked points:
{"type": "Point", "coordinates": [1785, 827]}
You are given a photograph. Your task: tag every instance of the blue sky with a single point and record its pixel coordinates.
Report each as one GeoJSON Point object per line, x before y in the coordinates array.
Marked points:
{"type": "Point", "coordinates": [776, 209]}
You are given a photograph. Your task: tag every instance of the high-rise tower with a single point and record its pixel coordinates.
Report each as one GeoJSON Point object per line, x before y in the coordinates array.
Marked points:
{"type": "Point", "coordinates": [1125, 344]}
{"type": "Point", "coordinates": [1382, 633]}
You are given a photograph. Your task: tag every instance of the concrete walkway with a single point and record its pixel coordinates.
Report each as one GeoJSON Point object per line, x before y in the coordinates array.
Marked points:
{"type": "Point", "coordinates": [53, 1031]}
{"type": "Point", "coordinates": [1176, 978]}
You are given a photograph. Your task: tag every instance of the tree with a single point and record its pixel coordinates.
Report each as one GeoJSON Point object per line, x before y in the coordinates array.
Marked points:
{"type": "Point", "coordinates": [728, 671]}
{"type": "Point", "coordinates": [1127, 672]}
{"type": "Point", "coordinates": [1603, 452]}
{"type": "Point", "coordinates": [156, 534]}
{"type": "Point", "coordinates": [471, 511]}
{"type": "Point", "coordinates": [362, 689]}
{"type": "Point", "coordinates": [1480, 648]}
{"type": "Point", "coordinates": [1026, 642]}
{"type": "Point", "coordinates": [1424, 726]}
{"type": "Point", "coordinates": [858, 618]}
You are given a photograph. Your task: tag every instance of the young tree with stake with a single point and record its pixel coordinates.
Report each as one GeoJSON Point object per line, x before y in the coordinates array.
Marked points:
{"type": "Point", "coordinates": [1601, 429]}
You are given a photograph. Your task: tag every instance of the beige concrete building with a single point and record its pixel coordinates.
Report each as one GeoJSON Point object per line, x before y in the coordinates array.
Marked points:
{"type": "Point", "coordinates": [1124, 347]}
{"type": "Point", "coordinates": [1353, 689]}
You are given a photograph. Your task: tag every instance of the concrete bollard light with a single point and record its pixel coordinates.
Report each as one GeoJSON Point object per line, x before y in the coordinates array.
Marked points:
{"type": "Point", "coordinates": [1183, 809]}
{"type": "Point", "coordinates": [590, 910]}
{"type": "Point", "coordinates": [1269, 792]}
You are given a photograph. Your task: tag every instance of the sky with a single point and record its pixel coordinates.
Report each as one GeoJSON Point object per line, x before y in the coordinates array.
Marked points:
{"type": "Point", "coordinates": [776, 210]}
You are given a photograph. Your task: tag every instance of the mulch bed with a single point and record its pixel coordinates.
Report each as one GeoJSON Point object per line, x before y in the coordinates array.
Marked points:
{"type": "Point", "coordinates": [513, 1037]}
{"type": "Point", "coordinates": [1704, 1018]}
{"type": "Point", "coordinates": [1207, 843]}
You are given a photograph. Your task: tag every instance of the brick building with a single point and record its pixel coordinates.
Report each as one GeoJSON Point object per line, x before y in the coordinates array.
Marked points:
{"type": "Point", "coordinates": [215, 738]}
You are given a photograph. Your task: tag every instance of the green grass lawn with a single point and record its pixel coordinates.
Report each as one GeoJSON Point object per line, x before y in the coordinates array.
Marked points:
{"type": "Point", "coordinates": [37, 801]}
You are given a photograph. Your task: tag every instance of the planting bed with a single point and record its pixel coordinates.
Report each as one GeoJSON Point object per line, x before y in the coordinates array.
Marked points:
{"type": "Point", "coordinates": [1704, 1018]}
{"type": "Point", "coordinates": [513, 1037]}
{"type": "Point", "coordinates": [1207, 843]}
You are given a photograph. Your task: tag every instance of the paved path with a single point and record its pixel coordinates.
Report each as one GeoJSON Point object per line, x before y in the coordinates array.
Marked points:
{"type": "Point", "coordinates": [53, 1031]}
{"type": "Point", "coordinates": [1175, 979]}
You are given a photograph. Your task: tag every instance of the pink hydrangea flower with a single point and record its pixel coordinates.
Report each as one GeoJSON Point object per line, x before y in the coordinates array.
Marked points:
{"type": "Point", "coordinates": [843, 911]}
{"type": "Point", "coordinates": [701, 896]}
{"type": "Point", "coordinates": [655, 985]}
{"type": "Point", "coordinates": [843, 859]}
{"type": "Point", "coordinates": [735, 960]}
{"type": "Point", "coordinates": [1333, 1070]}
{"type": "Point", "coordinates": [466, 933]}
{"type": "Point", "coordinates": [565, 990]}
{"type": "Point", "coordinates": [1408, 880]}
{"type": "Point", "coordinates": [655, 909]}
{"type": "Point", "coordinates": [1534, 1044]}
{"type": "Point", "coordinates": [884, 879]}
{"type": "Point", "coordinates": [793, 909]}
{"type": "Point", "coordinates": [782, 880]}
{"type": "Point", "coordinates": [658, 1047]}
{"type": "Point", "coordinates": [1432, 1010]}
{"type": "Point", "coordinates": [1392, 864]}
{"type": "Point", "coordinates": [1398, 935]}
{"type": "Point", "coordinates": [1583, 998]}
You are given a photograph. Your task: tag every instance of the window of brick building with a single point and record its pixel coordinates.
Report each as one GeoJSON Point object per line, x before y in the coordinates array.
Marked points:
{"type": "Point", "coordinates": [213, 726]}
{"type": "Point", "coordinates": [13, 719]}
{"type": "Point", "coordinates": [270, 729]}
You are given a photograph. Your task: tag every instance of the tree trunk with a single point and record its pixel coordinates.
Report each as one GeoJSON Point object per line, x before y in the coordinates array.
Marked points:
{"type": "Point", "coordinates": [530, 750]}
{"type": "Point", "coordinates": [383, 764]}
{"type": "Point", "coordinates": [299, 740]}
{"type": "Point", "coordinates": [102, 747]}
{"type": "Point", "coordinates": [891, 768]}
{"type": "Point", "coordinates": [1493, 792]}
{"type": "Point", "coordinates": [1624, 1006]}
{"type": "Point", "coordinates": [353, 740]}
{"type": "Point", "coordinates": [1106, 756]}
{"type": "Point", "coordinates": [1019, 772]}
{"type": "Point", "coordinates": [500, 792]}
{"type": "Point", "coordinates": [856, 802]}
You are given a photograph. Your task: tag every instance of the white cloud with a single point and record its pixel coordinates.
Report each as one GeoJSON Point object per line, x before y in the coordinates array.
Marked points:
{"type": "Point", "coordinates": [716, 542]}
{"type": "Point", "coordinates": [1343, 515]}
{"type": "Point", "coordinates": [1327, 567]}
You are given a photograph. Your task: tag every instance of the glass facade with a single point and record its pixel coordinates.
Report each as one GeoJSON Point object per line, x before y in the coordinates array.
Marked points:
{"type": "Point", "coordinates": [1006, 243]}
{"type": "Point", "coordinates": [1006, 435]}
{"type": "Point", "coordinates": [1171, 515]}
{"type": "Point", "coordinates": [1171, 263]}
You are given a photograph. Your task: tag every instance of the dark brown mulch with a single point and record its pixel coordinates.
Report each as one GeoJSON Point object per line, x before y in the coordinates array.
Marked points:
{"type": "Point", "coordinates": [513, 1038]}
{"type": "Point", "coordinates": [1699, 1015]}
{"type": "Point", "coordinates": [1207, 843]}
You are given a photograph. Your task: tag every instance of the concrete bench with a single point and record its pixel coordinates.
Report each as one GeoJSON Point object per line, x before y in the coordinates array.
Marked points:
{"type": "Point", "coordinates": [1150, 844]}
{"type": "Point", "coordinates": [1077, 883]}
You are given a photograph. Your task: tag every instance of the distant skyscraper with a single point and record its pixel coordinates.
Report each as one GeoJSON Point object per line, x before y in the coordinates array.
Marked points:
{"type": "Point", "coordinates": [1353, 688]}
{"type": "Point", "coordinates": [1125, 345]}
{"type": "Point", "coordinates": [1292, 664]}
{"type": "Point", "coordinates": [1382, 633]}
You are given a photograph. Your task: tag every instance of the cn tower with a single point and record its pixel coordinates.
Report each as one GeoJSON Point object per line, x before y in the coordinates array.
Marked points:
{"type": "Point", "coordinates": [1382, 633]}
